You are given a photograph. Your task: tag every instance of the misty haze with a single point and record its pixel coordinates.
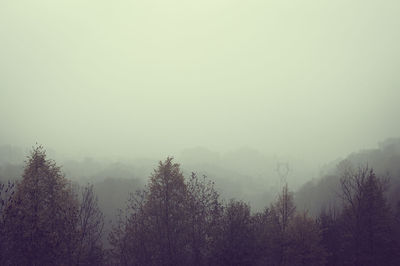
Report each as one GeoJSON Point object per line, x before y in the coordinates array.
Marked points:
{"type": "Point", "coordinates": [200, 132]}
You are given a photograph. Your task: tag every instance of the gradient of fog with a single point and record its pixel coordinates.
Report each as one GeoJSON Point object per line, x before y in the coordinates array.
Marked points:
{"type": "Point", "coordinates": [312, 78]}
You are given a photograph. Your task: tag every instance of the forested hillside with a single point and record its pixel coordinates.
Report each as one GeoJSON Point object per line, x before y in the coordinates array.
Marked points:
{"type": "Point", "coordinates": [323, 192]}
{"type": "Point", "coordinates": [349, 216]}
{"type": "Point", "coordinates": [212, 132]}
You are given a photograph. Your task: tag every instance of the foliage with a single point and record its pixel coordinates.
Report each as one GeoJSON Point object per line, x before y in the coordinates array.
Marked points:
{"type": "Point", "coordinates": [178, 221]}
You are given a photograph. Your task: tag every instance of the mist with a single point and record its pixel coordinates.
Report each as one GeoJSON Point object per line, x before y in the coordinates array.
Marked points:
{"type": "Point", "coordinates": [262, 104]}
{"type": "Point", "coordinates": [132, 79]}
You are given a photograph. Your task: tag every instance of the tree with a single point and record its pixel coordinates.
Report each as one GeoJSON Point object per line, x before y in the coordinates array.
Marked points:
{"type": "Point", "coordinates": [6, 197]}
{"type": "Point", "coordinates": [41, 220]}
{"type": "Point", "coordinates": [304, 242]}
{"type": "Point", "coordinates": [166, 206]}
{"type": "Point", "coordinates": [204, 215]}
{"type": "Point", "coordinates": [367, 218]}
{"type": "Point", "coordinates": [331, 235]}
{"type": "Point", "coordinates": [262, 230]}
{"type": "Point", "coordinates": [294, 239]}
{"type": "Point", "coordinates": [236, 243]}
{"type": "Point", "coordinates": [131, 238]}
{"type": "Point", "coordinates": [154, 231]}
{"type": "Point", "coordinates": [89, 248]}
{"type": "Point", "coordinates": [282, 214]}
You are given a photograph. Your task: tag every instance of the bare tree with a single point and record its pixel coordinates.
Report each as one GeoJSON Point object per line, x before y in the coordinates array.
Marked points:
{"type": "Point", "coordinates": [282, 213]}
{"type": "Point", "coordinates": [367, 217]}
{"type": "Point", "coordinates": [90, 228]}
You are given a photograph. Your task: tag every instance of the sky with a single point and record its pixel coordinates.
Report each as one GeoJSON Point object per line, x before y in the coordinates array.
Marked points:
{"type": "Point", "coordinates": [312, 78]}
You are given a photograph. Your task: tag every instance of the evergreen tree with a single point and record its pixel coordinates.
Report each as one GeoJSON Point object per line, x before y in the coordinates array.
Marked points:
{"type": "Point", "coordinates": [166, 207]}
{"type": "Point", "coordinates": [41, 222]}
{"type": "Point", "coordinates": [155, 229]}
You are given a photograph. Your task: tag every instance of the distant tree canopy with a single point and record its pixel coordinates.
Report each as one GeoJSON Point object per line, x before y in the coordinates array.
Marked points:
{"type": "Point", "coordinates": [45, 220]}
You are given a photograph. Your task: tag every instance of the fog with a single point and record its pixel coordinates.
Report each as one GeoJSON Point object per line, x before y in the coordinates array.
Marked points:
{"type": "Point", "coordinates": [314, 80]}
{"type": "Point", "coordinates": [282, 117]}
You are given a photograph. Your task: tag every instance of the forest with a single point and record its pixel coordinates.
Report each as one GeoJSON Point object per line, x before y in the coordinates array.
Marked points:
{"type": "Point", "coordinates": [212, 132]}
{"type": "Point", "coordinates": [348, 216]}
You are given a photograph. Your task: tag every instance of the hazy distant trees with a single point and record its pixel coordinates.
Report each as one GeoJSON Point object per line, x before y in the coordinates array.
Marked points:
{"type": "Point", "coordinates": [182, 221]}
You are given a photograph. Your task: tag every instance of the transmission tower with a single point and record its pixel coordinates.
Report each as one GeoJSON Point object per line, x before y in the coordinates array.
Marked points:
{"type": "Point", "coordinates": [283, 169]}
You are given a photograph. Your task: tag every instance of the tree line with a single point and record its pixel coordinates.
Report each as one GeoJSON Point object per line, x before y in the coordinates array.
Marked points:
{"type": "Point", "coordinates": [46, 220]}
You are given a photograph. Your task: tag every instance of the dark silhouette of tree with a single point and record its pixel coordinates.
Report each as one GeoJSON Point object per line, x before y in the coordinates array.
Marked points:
{"type": "Point", "coordinates": [41, 220]}
{"type": "Point", "coordinates": [131, 237]}
{"type": "Point", "coordinates": [294, 239]}
{"type": "Point", "coordinates": [158, 217]}
{"type": "Point", "coordinates": [331, 233]}
{"type": "Point", "coordinates": [262, 230]}
{"type": "Point", "coordinates": [204, 216]}
{"type": "Point", "coordinates": [166, 207]}
{"type": "Point", "coordinates": [367, 218]}
{"type": "Point", "coordinates": [304, 242]}
{"type": "Point", "coordinates": [236, 243]}
{"type": "Point", "coordinates": [282, 214]}
{"type": "Point", "coordinates": [89, 248]}
{"type": "Point", "coordinates": [6, 197]}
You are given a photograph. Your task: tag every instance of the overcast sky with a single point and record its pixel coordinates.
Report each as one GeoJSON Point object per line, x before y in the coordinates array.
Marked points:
{"type": "Point", "coordinates": [311, 78]}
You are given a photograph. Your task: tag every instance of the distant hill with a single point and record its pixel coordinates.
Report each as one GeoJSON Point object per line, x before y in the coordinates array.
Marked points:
{"type": "Point", "coordinates": [322, 192]}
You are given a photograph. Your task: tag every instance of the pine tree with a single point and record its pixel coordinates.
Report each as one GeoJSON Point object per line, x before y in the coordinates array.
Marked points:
{"type": "Point", "coordinates": [154, 231]}
{"type": "Point", "coordinates": [166, 206]}
{"type": "Point", "coordinates": [41, 222]}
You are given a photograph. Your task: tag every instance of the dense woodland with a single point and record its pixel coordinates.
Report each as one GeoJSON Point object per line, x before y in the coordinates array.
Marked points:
{"type": "Point", "coordinates": [349, 216]}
